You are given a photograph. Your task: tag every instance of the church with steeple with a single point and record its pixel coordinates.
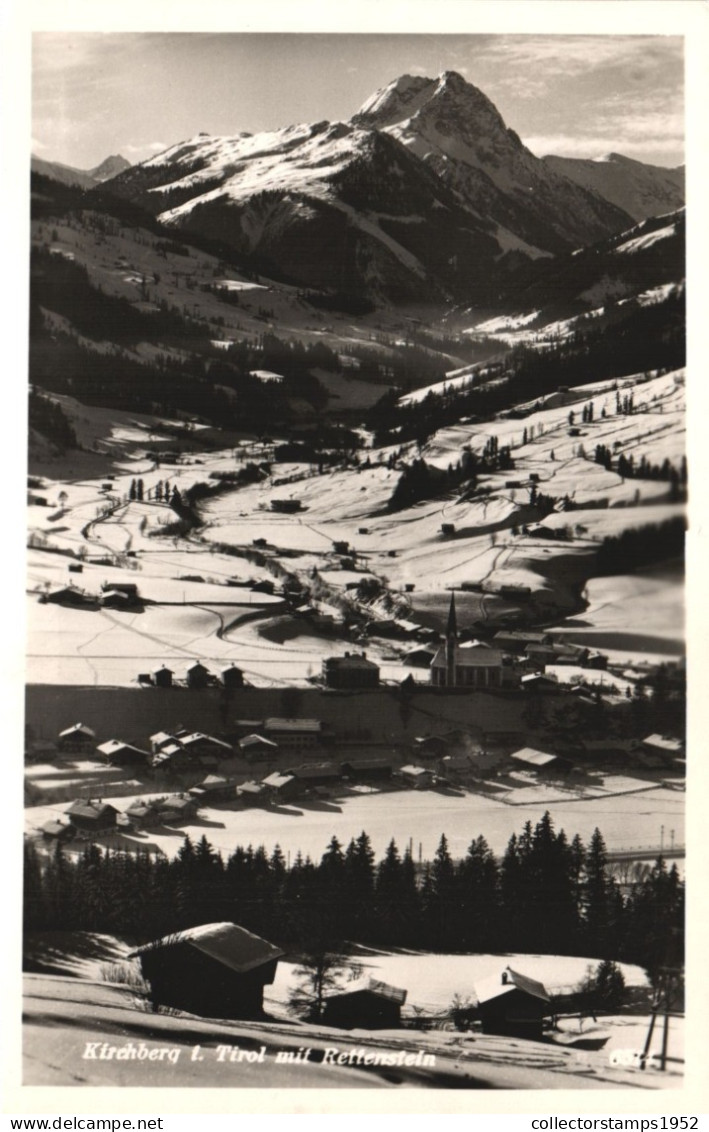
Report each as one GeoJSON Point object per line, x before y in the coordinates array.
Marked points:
{"type": "Point", "coordinates": [468, 665]}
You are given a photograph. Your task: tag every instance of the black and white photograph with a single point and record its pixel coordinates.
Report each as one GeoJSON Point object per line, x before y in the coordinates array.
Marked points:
{"type": "Point", "coordinates": [355, 741]}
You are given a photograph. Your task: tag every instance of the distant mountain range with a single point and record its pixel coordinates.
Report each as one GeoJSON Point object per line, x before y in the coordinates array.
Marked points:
{"type": "Point", "coordinates": [642, 190]}
{"type": "Point", "coordinates": [83, 178]}
{"type": "Point", "coordinates": [425, 194]}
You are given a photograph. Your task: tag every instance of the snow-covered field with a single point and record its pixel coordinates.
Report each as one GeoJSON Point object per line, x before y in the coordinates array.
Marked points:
{"type": "Point", "coordinates": [626, 819]}
{"type": "Point", "coordinates": [91, 516]}
{"type": "Point", "coordinates": [433, 980]}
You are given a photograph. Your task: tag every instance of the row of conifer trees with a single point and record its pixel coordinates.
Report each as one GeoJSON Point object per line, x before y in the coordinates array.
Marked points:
{"type": "Point", "coordinates": [545, 894]}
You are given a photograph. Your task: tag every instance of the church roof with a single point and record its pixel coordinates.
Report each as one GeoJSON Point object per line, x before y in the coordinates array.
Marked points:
{"type": "Point", "coordinates": [469, 658]}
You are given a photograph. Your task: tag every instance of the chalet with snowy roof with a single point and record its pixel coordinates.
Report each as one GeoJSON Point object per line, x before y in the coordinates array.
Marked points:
{"type": "Point", "coordinates": [368, 1004]}
{"type": "Point", "coordinates": [252, 793]}
{"type": "Point", "coordinates": [214, 788]}
{"type": "Point", "coordinates": [215, 970]}
{"type": "Point", "coordinates": [197, 744]}
{"type": "Point", "coordinates": [316, 774]}
{"type": "Point", "coordinates": [293, 734]}
{"type": "Point", "coordinates": [162, 676]}
{"type": "Point", "coordinates": [667, 747]}
{"type": "Point", "coordinates": [117, 599]}
{"type": "Point", "coordinates": [196, 675]}
{"type": "Point", "coordinates": [178, 807]}
{"type": "Point", "coordinates": [92, 816]}
{"type": "Point", "coordinates": [513, 1005]}
{"type": "Point", "coordinates": [430, 746]}
{"type": "Point", "coordinates": [257, 748]}
{"type": "Point", "coordinates": [367, 770]}
{"type": "Point", "coordinates": [58, 831]}
{"type": "Point", "coordinates": [129, 588]}
{"type": "Point", "coordinates": [117, 753]}
{"type": "Point", "coordinates": [281, 787]}
{"type": "Point", "coordinates": [539, 683]}
{"type": "Point", "coordinates": [516, 641]}
{"type": "Point", "coordinates": [232, 677]}
{"type": "Point", "coordinates": [171, 759]}
{"type": "Point", "coordinates": [540, 762]}
{"type": "Point", "coordinates": [420, 777]}
{"type": "Point", "coordinates": [353, 670]}
{"type": "Point", "coordinates": [473, 668]}
{"type": "Point", "coordinates": [160, 739]}
{"type": "Point", "coordinates": [143, 814]}
{"type": "Point", "coordinates": [77, 739]}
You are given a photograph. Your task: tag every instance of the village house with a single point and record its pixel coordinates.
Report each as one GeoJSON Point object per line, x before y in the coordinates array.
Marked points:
{"type": "Point", "coordinates": [430, 746]}
{"type": "Point", "coordinates": [143, 814]}
{"type": "Point", "coordinates": [367, 770]}
{"type": "Point", "coordinates": [513, 1005]}
{"type": "Point", "coordinates": [539, 683]}
{"type": "Point", "coordinates": [178, 807]}
{"type": "Point", "coordinates": [160, 740]}
{"type": "Point", "coordinates": [172, 758]}
{"type": "Point", "coordinates": [368, 1004]}
{"type": "Point", "coordinates": [198, 745]}
{"type": "Point", "coordinates": [93, 817]}
{"type": "Point", "coordinates": [58, 831]}
{"type": "Point", "coordinates": [252, 793]}
{"type": "Point", "coordinates": [516, 640]}
{"type": "Point", "coordinates": [293, 734]}
{"type": "Point", "coordinates": [417, 776]}
{"type": "Point", "coordinates": [214, 788]}
{"type": "Point", "coordinates": [215, 970]}
{"type": "Point", "coordinates": [540, 762]}
{"type": "Point", "coordinates": [281, 787]}
{"type": "Point", "coordinates": [667, 747]}
{"type": "Point", "coordinates": [352, 670]}
{"type": "Point", "coordinates": [77, 739]}
{"type": "Point", "coordinates": [256, 748]}
{"type": "Point", "coordinates": [316, 774]}
{"type": "Point", "coordinates": [118, 753]}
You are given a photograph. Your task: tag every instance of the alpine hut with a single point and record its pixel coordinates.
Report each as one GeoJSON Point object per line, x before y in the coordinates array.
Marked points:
{"type": "Point", "coordinates": [215, 970]}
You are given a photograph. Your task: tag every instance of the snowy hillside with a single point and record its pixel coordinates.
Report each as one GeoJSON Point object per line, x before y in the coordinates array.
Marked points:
{"type": "Point", "coordinates": [639, 189]}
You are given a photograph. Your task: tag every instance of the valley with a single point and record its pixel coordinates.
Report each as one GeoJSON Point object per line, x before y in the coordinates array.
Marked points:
{"type": "Point", "coordinates": [356, 508]}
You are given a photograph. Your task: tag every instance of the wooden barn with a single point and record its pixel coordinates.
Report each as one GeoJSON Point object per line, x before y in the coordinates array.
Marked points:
{"type": "Point", "coordinates": [162, 677]}
{"type": "Point", "coordinates": [368, 1005]}
{"type": "Point", "coordinates": [513, 1005]}
{"type": "Point", "coordinates": [214, 970]}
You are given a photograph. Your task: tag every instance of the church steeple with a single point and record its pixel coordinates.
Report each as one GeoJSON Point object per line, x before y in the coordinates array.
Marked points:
{"type": "Point", "coordinates": [451, 644]}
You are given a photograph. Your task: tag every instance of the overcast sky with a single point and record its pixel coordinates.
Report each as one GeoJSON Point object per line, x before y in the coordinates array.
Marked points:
{"type": "Point", "coordinates": [579, 96]}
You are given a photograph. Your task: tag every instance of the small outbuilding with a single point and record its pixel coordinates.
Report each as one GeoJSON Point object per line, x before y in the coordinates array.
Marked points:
{"type": "Point", "coordinates": [513, 1005]}
{"type": "Point", "coordinates": [256, 748]}
{"type": "Point", "coordinates": [162, 677]}
{"type": "Point", "coordinates": [197, 675]}
{"type": "Point", "coordinates": [232, 677]}
{"type": "Point", "coordinates": [369, 1005]}
{"type": "Point", "coordinates": [215, 970]}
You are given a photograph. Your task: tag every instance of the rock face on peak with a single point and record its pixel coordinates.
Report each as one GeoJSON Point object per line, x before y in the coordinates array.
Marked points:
{"type": "Point", "coordinates": [83, 178]}
{"type": "Point", "coordinates": [459, 133]}
{"type": "Point", "coordinates": [642, 190]}
{"type": "Point", "coordinates": [111, 167]}
{"type": "Point", "coordinates": [423, 194]}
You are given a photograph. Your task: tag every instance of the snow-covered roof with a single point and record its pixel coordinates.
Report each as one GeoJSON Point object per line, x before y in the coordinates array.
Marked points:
{"type": "Point", "coordinates": [496, 985]}
{"type": "Point", "coordinates": [231, 945]}
{"type": "Point", "coordinates": [533, 758]}
{"type": "Point", "coordinates": [469, 658]}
